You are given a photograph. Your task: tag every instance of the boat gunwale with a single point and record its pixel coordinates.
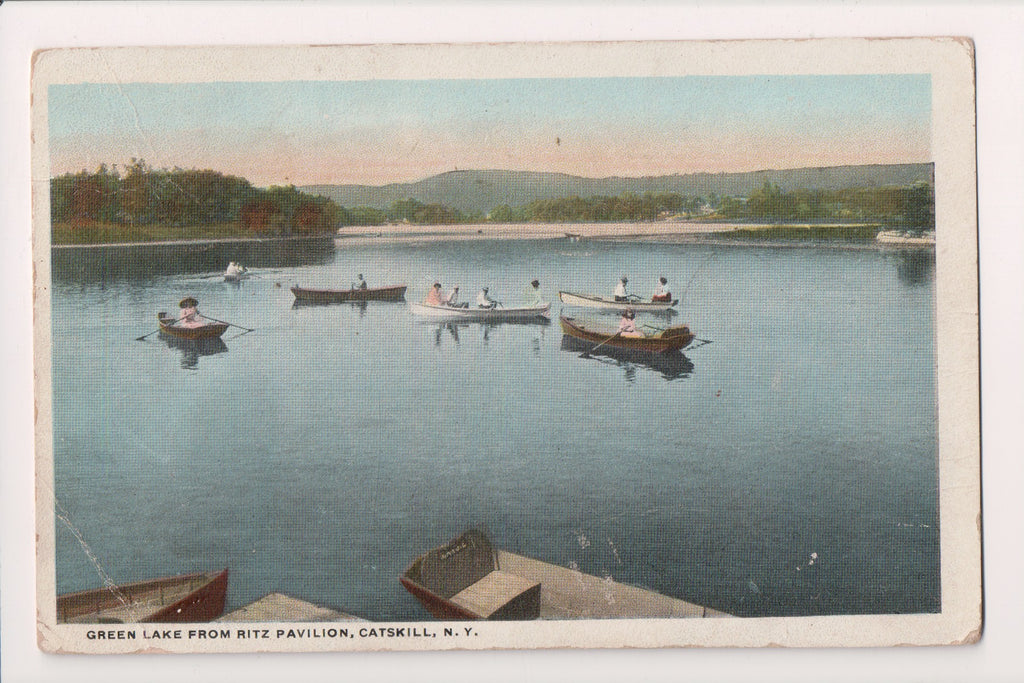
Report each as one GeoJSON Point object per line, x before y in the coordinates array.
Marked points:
{"type": "Point", "coordinates": [598, 301]}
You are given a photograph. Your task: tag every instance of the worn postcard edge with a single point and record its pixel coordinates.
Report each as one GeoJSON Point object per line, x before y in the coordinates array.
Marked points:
{"type": "Point", "coordinates": [949, 61]}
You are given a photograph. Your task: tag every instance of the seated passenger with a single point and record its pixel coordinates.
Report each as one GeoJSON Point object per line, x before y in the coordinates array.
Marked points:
{"type": "Point", "coordinates": [434, 296]}
{"type": "Point", "coordinates": [484, 301]}
{"type": "Point", "coordinates": [661, 292]}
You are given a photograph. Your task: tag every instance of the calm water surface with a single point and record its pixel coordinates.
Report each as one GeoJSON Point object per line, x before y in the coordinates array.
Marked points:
{"type": "Point", "coordinates": [786, 468]}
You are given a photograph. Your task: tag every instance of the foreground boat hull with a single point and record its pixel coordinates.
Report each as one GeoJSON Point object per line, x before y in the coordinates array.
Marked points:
{"type": "Point", "coordinates": [208, 331]}
{"type": "Point", "coordinates": [445, 582]}
{"type": "Point", "coordinates": [486, 314]}
{"type": "Point", "coordinates": [592, 301]}
{"type": "Point", "coordinates": [670, 339]}
{"type": "Point", "coordinates": [337, 296]}
{"type": "Point", "coordinates": [197, 597]}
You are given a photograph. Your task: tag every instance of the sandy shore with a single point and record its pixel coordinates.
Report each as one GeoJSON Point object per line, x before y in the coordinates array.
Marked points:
{"type": "Point", "coordinates": [537, 230]}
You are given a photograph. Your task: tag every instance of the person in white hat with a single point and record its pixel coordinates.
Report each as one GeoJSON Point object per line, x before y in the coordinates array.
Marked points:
{"type": "Point", "coordinates": [484, 301]}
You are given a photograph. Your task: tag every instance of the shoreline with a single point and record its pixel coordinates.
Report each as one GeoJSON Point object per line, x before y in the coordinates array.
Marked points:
{"type": "Point", "coordinates": [675, 232]}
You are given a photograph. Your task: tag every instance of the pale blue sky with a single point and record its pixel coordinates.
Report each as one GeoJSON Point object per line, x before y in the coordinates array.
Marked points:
{"type": "Point", "coordinates": [376, 132]}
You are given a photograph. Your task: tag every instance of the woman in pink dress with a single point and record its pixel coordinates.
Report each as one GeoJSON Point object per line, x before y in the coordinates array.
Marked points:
{"type": "Point", "coordinates": [190, 315]}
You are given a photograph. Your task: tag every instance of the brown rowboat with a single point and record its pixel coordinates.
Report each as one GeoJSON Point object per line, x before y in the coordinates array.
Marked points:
{"type": "Point", "coordinates": [194, 597]}
{"type": "Point", "coordinates": [668, 339]}
{"type": "Point", "coordinates": [337, 296]}
{"type": "Point", "coordinates": [205, 331]}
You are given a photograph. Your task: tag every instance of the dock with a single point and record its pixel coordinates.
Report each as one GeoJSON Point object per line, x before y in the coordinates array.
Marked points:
{"type": "Point", "coordinates": [281, 607]}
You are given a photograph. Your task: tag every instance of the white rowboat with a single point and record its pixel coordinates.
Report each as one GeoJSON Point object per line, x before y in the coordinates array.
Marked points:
{"type": "Point", "coordinates": [594, 301]}
{"type": "Point", "coordinates": [473, 313]}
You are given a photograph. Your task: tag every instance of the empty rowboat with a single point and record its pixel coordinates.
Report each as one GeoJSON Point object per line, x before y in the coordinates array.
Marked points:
{"type": "Point", "coordinates": [660, 339]}
{"type": "Point", "coordinates": [607, 302]}
{"type": "Point", "coordinates": [194, 597]}
{"type": "Point", "coordinates": [468, 579]}
{"type": "Point", "coordinates": [169, 327]}
{"type": "Point", "coordinates": [337, 296]}
{"type": "Point", "coordinates": [486, 314]}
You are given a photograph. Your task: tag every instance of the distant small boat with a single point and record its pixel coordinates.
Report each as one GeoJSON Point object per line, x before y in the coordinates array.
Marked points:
{"type": "Point", "coordinates": [906, 238]}
{"type": "Point", "coordinates": [337, 296]}
{"type": "Point", "coordinates": [468, 579]}
{"type": "Point", "coordinates": [235, 272]}
{"type": "Point", "coordinates": [205, 331]}
{"type": "Point", "coordinates": [667, 339]}
{"type": "Point", "coordinates": [194, 597]}
{"type": "Point", "coordinates": [475, 313]}
{"type": "Point", "coordinates": [594, 301]}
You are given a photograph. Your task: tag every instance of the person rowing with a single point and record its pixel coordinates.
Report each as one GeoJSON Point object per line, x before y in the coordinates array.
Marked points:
{"type": "Point", "coordinates": [360, 282]}
{"type": "Point", "coordinates": [485, 301]}
{"type": "Point", "coordinates": [532, 296]}
{"type": "Point", "coordinates": [189, 316]}
{"type": "Point", "coordinates": [620, 289]}
{"type": "Point", "coordinates": [627, 324]}
{"type": "Point", "coordinates": [453, 299]}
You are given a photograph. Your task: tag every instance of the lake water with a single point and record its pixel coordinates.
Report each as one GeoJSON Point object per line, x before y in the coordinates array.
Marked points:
{"type": "Point", "coordinates": [788, 467]}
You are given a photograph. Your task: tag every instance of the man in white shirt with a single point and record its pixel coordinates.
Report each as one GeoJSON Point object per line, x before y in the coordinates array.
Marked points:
{"type": "Point", "coordinates": [620, 290]}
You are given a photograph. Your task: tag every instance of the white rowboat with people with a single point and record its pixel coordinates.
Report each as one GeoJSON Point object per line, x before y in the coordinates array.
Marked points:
{"type": "Point", "coordinates": [607, 302]}
{"type": "Point", "coordinates": [444, 312]}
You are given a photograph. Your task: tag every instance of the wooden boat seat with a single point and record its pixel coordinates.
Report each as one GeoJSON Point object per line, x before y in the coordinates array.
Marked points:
{"type": "Point", "coordinates": [501, 595]}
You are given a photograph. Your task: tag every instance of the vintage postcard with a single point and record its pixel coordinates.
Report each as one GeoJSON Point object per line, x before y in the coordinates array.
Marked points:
{"type": "Point", "coordinates": [429, 347]}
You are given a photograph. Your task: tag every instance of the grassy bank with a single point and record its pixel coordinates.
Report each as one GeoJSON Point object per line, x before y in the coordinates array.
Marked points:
{"type": "Point", "coordinates": [803, 232]}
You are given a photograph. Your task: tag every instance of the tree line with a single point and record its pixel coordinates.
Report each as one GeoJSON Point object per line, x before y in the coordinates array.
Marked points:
{"type": "Point", "coordinates": [177, 198]}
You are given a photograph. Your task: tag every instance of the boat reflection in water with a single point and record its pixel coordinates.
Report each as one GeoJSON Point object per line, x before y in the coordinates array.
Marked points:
{"type": "Point", "coordinates": [192, 349]}
{"type": "Point", "coordinates": [487, 326]}
{"type": "Point", "coordinates": [671, 365]}
{"type": "Point", "coordinates": [915, 267]}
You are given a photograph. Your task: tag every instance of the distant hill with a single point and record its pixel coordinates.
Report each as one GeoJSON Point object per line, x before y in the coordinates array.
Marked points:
{"type": "Point", "coordinates": [481, 191]}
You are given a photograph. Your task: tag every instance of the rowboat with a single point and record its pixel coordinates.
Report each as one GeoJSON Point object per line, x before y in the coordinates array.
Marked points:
{"type": "Point", "coordinates": [337, 296]}
{"type": "Point", "coordinates": [186, 598]}
{"type": "Point", "coordinates": [204, 331]}
{"type": "Point", "coordinates": [235, 272]}
{"type": "Point", "coordinates": [594, 301]}
{"type": "Point", "coordinates": [487, 314]}
{"type": "Point", "coordinates": [667, 339]}
{"type": "Point", "coordinates": [468, 579]}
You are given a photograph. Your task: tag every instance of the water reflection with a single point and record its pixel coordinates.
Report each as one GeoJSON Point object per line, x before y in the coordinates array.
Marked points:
{"type": "Point", "coordinates": [192, 349]}
{"type": "Point", "coordinates": [488, 327]}
{"type": "Point", "coordinates": [102, 263]}
{"type": "Point", "coordinates": [671, 365]}
{"type": "Point", "coordinates": [359, 306]}
{"type": "Point", "coordinates": [915, 267]}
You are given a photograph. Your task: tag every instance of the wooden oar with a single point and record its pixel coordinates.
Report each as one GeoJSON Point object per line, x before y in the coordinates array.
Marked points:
{"type": "Point", "coordinates": [158, 329]}
{"type": "Point", "coordinates": [222, 322]}
{"type": "Point", "coordinates": [603, 343]}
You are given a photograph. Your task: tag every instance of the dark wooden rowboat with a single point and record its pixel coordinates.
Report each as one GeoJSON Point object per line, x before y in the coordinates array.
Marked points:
{"type": "Point", "coordinates": [205, 331]}
{"type": "Point", "coordinates": [669, 339]}
{"type": "Point", "coordinates": [337, 296]}
{"type": "Point", "coordinates": [468, 579]}
{"type": "Point", "coordinates": [194, 597]}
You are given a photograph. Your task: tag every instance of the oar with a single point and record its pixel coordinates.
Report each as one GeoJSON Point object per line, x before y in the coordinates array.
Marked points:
{"type": "Point", "coordinates": [158, 329]}
{"type": "Point", "coordinates": [603, 343]}
{"type": "Point", "coordinates": [222, 322]}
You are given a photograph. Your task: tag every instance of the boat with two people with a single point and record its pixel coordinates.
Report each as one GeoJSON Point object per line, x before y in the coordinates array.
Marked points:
{"type": "Point", "coordinates": [235, 272]}
{"type": "Point", "coordinates": [195, 597]}
{"type": "Point", "coordinates": [607, 302]}
{"type": "Point", "coordinates": [468, 579]}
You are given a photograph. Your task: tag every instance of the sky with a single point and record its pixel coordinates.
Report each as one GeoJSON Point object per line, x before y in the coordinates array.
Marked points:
{"type": "Point", "coordinates": [379, 132]}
